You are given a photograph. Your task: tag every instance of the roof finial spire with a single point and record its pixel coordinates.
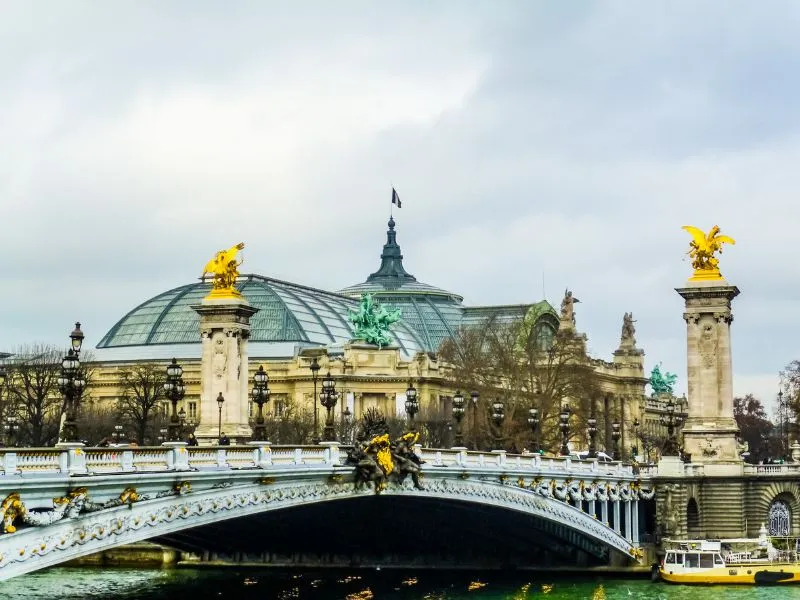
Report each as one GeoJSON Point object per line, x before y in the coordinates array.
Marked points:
{"type": "Point", "coordinates": [391, 258]}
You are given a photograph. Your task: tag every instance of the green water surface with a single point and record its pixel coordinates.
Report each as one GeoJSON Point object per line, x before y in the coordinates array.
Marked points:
{"type": "Point", "coordinates": [144, 584]}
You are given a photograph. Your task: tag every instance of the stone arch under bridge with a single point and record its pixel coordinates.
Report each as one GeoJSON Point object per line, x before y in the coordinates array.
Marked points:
{"type": "Point", "coordinates": [110, 510]}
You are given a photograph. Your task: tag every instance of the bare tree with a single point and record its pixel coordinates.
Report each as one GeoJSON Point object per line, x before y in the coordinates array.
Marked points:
{"type": "Point", "coordinates": [33, 395]}
{"type": "Point", "coordinates": [142, 396]}
{"type": "Point", "coordinates": [96, 422]}
{"type": "Point", "coordinates": [514, 361]}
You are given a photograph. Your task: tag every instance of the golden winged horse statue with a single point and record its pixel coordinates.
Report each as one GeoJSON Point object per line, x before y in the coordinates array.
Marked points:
{"type": "Point", "coordinates": [225, 269]}
{"type": "Point", "coordinates": [702, 249]}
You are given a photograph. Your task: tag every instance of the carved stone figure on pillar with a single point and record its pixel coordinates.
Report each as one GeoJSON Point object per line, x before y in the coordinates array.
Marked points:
{"type": "Point", "coordinates": [628, 337]}
{"type": "Point", "coordinates": [568, 308]}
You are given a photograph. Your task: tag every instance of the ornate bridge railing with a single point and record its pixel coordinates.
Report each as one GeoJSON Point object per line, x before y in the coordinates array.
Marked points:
{"type": "Point", "coordinates": [123, 459]}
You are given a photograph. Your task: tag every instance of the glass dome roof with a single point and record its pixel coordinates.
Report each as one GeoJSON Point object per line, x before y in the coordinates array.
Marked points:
{"type": "Point", "coordinates": [287, 313]}
{"type": "Point", "coordinates": [432, 312]}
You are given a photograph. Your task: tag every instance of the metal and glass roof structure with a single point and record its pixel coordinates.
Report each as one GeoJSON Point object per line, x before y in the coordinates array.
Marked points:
{"type": "Point", "coordinates": [292, 316]}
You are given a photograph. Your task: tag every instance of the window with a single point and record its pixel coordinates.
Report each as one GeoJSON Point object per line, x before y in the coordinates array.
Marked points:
{"type": "Point", "coordinates": [780, 518]}
{"type": "Point", "coordinates": [692, 560]}
{"type": "Point", "coordinates": [670, 558]}
{"type": "Point", "coordinates": [706, 561]}
{"type": "Point", "coordinates": [718, 561]}
{"type": "Point", "coordinates": [192, 410]}
{"type": "Point", "coordinates": [279, 407]}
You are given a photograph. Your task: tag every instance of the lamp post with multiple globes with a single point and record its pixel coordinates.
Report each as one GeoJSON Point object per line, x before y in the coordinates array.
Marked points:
{"type": "Point", "coordinates": [458, 415]}
{"type": "Point", "coordinates": [260, 395]}
{"type": "Point", "coordinates": [71, 383]}
{"type": "Point", "coordinates": [174, 391]}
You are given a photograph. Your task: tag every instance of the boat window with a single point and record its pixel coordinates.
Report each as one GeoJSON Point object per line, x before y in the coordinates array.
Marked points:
{"type": "Point", "coordinates": [692, 560]}
{"type": "Point", "coordinates": [718, 560]}
{"type": "Point", "coordinates": [706, 561]}
{"type": "Point", "coordinates": [670, 558]}
{"type": "Point", "coordinates": [678, 559]}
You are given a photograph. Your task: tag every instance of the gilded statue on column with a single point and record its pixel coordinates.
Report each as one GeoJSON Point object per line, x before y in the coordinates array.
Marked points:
{"type": "Point", "coordinates": [702, 250]}
{"type": "Point", "coordinates": [225, 269]}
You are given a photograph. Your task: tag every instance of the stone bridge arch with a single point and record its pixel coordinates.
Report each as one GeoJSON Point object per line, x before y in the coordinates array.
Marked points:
{"type": "Point", "coordinates": [170, 514]}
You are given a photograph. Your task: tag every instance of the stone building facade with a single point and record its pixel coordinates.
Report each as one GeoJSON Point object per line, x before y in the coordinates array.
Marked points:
{"type": "Point", "coordinates": [295, 324]}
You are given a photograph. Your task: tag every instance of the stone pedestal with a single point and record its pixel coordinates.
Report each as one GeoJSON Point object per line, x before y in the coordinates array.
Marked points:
{"type": "Point", "coordinates": [709, 434]}
{"type": "Point", "coordinates": [224, 331]}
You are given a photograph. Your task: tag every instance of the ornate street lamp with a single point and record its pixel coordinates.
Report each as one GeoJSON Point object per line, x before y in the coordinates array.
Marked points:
{"type": "Point", "coordinates": [71, 384]}
{"type": "Point", "coordinates": [474, 397]}
{"type": "Point", "coordinates": [174, 390]}
{"type": "Point", "coordinates": [458, 414]}
{"type": "Point", "coordinates": [220, 402]}
{"type": "Point", "coordinates": [498, 416]}
{"type": "Point", "coordinates": [563, 425]}
{"type": "Point", "coordinates": [533, 423]}
{"type": "Point", "coordinates": [671, 420]}
{"type": "Point", "coordinates": [11, 427]}
{"type": "Point", "coordinates": [412, 404]}
{"type": "Point", "coordinates": [615, 435]}
{"type": "Point", "coordinates": [314, 366]}
{"type": "Point", "coordinates": [591, 428]}
{"type": "Point", "coordinates": [260, 395]}
{"type": "Point", "coordinates": [116, 435]}
{"type": "Point", "coordinates": [329, 398]}
{"type": "Point", "coordinates": [76, 337]}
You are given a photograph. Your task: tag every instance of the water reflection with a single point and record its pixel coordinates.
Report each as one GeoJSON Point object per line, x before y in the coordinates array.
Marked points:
{"type": "Point", "coordinates": [143, 584]}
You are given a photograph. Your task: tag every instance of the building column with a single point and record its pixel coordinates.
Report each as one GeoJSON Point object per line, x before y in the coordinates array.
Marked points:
{"type": "Point", "coordinates": [628, 527]}
{"type": "Point", "coordinates": [635, 509]}
{"type": "Point", "coordinates": [616, 517]}
{"type": "Point", "coordinates": [604, 512]}
{"type": "Point", "coordinates": [592, 510]}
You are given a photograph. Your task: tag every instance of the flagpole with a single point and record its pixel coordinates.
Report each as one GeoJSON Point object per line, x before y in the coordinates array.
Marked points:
{"type": "Point", "coordinates": [391, 203]}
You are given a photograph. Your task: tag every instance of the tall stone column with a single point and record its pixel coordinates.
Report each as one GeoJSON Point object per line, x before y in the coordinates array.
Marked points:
{"type": "Point", "coordinates": [224, 330]}
{"type": "Point", "coordinates": [709, 433]}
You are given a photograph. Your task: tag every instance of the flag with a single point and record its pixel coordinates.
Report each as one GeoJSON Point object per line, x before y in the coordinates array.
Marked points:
{"type": "Point", "coordinates": [396, 198]}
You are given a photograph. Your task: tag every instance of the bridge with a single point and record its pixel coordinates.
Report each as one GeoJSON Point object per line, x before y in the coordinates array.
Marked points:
{"type": "Point", "coordinates": [57, 505]}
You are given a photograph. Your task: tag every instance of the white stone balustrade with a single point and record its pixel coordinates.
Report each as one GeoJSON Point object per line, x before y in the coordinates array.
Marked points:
{"type": "Point", "coordinates": [41, 461]}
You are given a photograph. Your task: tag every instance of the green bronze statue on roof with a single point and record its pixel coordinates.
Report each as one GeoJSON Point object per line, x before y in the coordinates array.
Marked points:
{"type": "Point", "coordinates": [372, 321]}
{"type": "Point", "coordinates": [662, 383]}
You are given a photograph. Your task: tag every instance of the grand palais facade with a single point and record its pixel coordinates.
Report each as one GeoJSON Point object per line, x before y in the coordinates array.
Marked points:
{"type": "Point", "coordinates": [296, 324]}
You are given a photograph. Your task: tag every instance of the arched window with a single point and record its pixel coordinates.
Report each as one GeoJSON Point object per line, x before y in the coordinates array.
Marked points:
{"type": "Point", "coordinates": [780, 518]}
{"type": "Point", "coordinates": [544, 336]}
{"type": "Point", "coordinates": [692, 515]}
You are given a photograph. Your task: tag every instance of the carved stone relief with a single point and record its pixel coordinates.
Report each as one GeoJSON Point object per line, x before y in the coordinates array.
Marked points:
{"type": "Point", "coordinates": [708, 344]}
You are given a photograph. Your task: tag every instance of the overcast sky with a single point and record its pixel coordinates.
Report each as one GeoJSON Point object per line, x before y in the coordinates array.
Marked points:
{"type": "Point", "coordinates": [533, 144]}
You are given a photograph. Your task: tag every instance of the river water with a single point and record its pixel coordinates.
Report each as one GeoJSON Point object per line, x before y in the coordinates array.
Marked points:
{"type": "Point", "coordinates": [205, 584]}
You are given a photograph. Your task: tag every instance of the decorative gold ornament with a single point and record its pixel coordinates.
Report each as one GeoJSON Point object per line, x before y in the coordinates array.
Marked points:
{"type": "Point", "coordinates": [225, 269]}
{"type": "Point", "coordinates": [129, 496]}
{"type": "Point", "coordinates": [266, 481]}
{"type": "Point", "coordinates": [336, 478]}
{"type": "Point", "coordinates": [383, 452]}
{"type": "Point", "coordinates": [11, 508]}
{"type": "Point", "coordinates": [702, 249]}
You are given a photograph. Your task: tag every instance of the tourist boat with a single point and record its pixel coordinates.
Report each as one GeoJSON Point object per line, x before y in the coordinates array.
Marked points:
{"type": "Point", "coordinates": [704, 562]}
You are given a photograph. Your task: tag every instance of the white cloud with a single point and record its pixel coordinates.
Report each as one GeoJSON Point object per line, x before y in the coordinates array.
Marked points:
{"type": "Point", "coordinates": [525, 139]}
